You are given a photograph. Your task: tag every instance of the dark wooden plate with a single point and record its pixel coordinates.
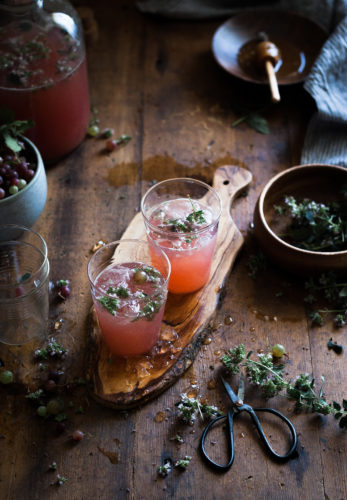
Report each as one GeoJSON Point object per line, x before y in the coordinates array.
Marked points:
{"type": "Point", "coordinates": [298, 38]}
{"type": "Point", "coordinates": [321, 183]}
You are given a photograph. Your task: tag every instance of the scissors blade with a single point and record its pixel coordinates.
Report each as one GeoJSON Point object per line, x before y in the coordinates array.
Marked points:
{"type": "Point", "coordinates": [234, 398]}
{"type": "Point", "coordinates": [241, 391]}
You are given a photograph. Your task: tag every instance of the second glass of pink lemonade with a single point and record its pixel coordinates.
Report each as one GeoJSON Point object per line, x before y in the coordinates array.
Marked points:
{"type": "Point", "coordinates": [128, 281]}
{"type": "Point", "coordinates": [181, 215]}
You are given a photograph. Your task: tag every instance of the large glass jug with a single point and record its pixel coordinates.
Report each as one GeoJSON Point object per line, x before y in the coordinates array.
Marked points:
{"type": "Point", "coordinates": [43, 72]}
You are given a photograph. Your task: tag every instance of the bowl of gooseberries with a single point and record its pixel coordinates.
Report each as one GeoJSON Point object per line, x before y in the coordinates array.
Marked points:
{"type": "Point", "coordinates": [23, 183]}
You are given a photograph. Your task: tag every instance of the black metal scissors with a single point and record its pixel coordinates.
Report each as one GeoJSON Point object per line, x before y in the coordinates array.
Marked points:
{"type": "Point", "coordinates": [238, 406]}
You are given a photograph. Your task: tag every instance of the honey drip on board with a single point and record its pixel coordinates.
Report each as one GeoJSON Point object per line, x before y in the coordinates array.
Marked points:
{"type": "Point", "coordinates": [228, 320]}
{"type": "Point", "coordinates": [166, 163]}
{"type": "Point", "coordinates": [111, 455]}
{"type": "Point", "coordinates": [160, 417]}
{"type": "Point", "coordinates": [211, 384]}
{"type": "Point", "coordinates": [192, 393]}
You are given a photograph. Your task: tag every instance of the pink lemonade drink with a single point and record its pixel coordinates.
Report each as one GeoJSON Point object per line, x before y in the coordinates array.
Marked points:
{"type": "Point", "coordinates": [43, 77]}
{"type": "Point", "coordinates": [129, 299]}
{"type": "Point", "coordinates": [186, 229]}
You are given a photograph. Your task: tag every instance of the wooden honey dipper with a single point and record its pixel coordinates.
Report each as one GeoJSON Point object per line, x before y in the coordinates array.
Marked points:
{"type": "Point", "coordinates": [268, 54]}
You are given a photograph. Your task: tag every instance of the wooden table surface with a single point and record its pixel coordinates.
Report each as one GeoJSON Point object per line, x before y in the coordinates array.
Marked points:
{"type": "Point", "coordinates": [156, 80]}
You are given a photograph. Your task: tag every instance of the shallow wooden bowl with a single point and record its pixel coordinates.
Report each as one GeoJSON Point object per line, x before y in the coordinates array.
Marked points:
{"type": "Point", "coordinates": [321, 183]}
{"type": "Point", "coordinates": [298, 38]}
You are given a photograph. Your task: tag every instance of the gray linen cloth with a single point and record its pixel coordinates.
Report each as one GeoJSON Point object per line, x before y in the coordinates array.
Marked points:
{"type": "Point", "coordinates": [326, 137]}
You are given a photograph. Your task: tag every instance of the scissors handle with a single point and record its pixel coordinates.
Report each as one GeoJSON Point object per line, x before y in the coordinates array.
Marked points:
{"type": "Point", "coordinates": [230, 435]}
{"type": "Point", "coordinates": [230, 440]}
{"type": "Point", "coordinates": [277, 456]}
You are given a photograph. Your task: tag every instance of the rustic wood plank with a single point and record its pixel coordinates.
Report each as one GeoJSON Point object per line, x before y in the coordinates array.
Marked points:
{"type": "Point", "coordinates": [156, 80]}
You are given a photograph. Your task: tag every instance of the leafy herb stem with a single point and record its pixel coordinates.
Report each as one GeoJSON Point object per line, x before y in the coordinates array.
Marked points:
{"type": "Point", "coordinates": [269, 377]}
{"type": "Point", "coordinates": [247, 115]}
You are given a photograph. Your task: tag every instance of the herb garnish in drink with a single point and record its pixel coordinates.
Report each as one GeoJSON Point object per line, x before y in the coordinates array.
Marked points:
{"type": "Point", "coordinates": [139, 297]}
{"type": "Point", "coordinates": [316, 226]}
{"type": "Point", "coordinates": [109, 303]}
{"type": "Point", "coordinates": [129, 300]}
{"type": "Point", "coordinates": [187, 225]}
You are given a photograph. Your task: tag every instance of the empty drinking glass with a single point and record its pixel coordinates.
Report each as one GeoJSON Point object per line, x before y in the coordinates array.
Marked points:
{"type": "Point", "coordinates": [24, 285]}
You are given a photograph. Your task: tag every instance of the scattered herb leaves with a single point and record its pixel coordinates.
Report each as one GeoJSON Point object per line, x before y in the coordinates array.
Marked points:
{"type": "Point", "coordinates": [269, 377]}
{"type": "Point", "coordinates": [186, 225]}
{"type": "Point", "coordinates": [163, 470]}
{"type": "Point", "coordinates": [52, 350]}
{"type": "Point", "coordinates": [10, 129]}
{"type": "Point", "coordinates": [256, 263]}
{"type": "Point", "coordinates": [254, 119]}
{"type": "Point", "coordinates": [328, 287]}
{"type": "Point", "coordinates": [183, 463]}
{"type": "Point", "coordinates": [188, 408]}
{"type": "Point", "coordinates": [316, 226]}
{"type": "Point", "coordinates": [111, 304]}
{"type": "Point", "coordinates": [337, 348]}
{"type": "Point", "coordinates": [121, 291]}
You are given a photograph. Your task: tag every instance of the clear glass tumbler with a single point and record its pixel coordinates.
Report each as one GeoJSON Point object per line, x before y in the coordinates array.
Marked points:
{"type": "Point", "coordinates": [128, 281]}
{"type": "Point", "coordinates": [24, 285]}
{"type": "Point", "coordinates": [181, 215]}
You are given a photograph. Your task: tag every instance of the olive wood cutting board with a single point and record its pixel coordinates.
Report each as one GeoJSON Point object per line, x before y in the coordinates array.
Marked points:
{"type": "Point", "coordinates": [124, 383]}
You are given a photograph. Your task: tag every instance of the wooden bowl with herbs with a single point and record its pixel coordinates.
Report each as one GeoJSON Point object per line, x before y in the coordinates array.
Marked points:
{"type": "Point", "coordinates": [300, 219]}
{"type": "Point", "coordinates": [23, 183]}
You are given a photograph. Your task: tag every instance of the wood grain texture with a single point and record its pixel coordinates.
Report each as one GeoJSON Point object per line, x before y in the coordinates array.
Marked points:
{"type": "Point", "coordinates": [156, 80]}
{"type": "Point", "coordinates": [125, 383]}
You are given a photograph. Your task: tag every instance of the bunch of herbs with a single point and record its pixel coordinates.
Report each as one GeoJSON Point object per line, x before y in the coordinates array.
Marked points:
{"type": "Point", "coordinates": [332, 290]}
{"type": "Point", "coordinates": [268, 375]}
{"type": "Point", "coordinates": [316, 226]}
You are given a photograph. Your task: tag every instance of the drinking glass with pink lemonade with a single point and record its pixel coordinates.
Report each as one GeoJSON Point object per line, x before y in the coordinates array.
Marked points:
{"type": "Point", "coordinates": [181, 215]}
{"type": "Point", "coordinates": [128, 281]}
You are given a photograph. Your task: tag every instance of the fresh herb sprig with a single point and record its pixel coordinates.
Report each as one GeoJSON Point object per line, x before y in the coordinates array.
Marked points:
{"type": "Point", "coordinates": [151, 308]}
{"type": "Point", "coordinates": [269, 376]}
{"type": "Point", "coordinates": [316, 226]}
{"type": "Point", "coordinates": [196, 216]}
{"type": "Point", "coordinates": [121, 291]}
{"type": "Point", "coordinates": [111, 304]}
{"type": "Point", "coordinates": [152, 274]}
{"type": "Point", "coordinates": [165, 469]}
{"type": "Point", "coordinates": [11, 129]}
{"type": "Point", "coordinates": [334, 292]}
{"type": "Point", "coordinates": [189, 408]}
{"type": "Point", "coordinates": [186, 225]}
{"type": "Point", "coordinates": [253, 118]}
{"type": "Point", "coordinates": [52, 350]}
{"type": "Point", "coordinates": [183, 463]}
{"type": "Point", "coordinates": [256, 263]}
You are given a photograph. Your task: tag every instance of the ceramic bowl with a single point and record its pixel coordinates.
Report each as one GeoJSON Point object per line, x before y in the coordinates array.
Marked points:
{"type": "Point", "coordinates": [24, 207]}
{"type": "Point", "coordinates": [321, 183]}
{"type": "Point", "coordinates": [298, 38]}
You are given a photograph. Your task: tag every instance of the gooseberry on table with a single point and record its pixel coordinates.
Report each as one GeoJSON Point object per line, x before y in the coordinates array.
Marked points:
{"type": "Point", "coordinates": [278, 350]}
{"type": "Point", "coordinates": [6, 377]}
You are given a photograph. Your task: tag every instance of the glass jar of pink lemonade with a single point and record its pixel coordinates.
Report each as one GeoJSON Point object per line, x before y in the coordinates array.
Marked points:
{"type": "Point", "coordinates": [128, 281]}
{"type": "Point", "coordinates": [181, 215]}
{"type": "Point", "coordinates": [43, 72]}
